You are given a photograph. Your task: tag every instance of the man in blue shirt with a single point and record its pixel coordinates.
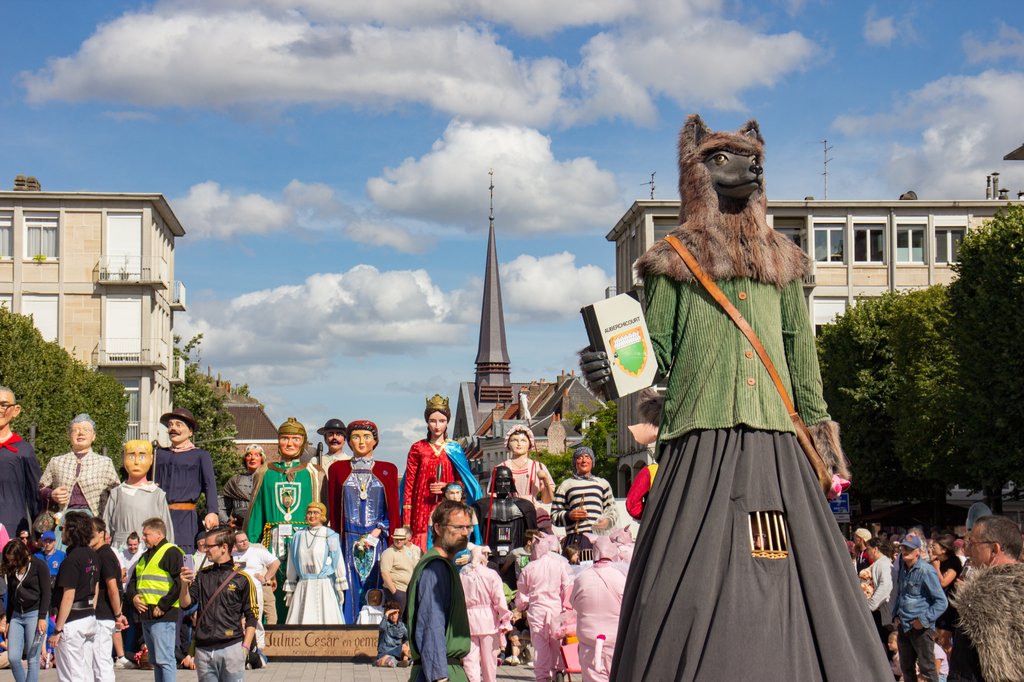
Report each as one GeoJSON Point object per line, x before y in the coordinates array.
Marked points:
{"type": "Point", "coordinates": [919, 602]}
{"type": "Point", "coordinates": [50, 555]}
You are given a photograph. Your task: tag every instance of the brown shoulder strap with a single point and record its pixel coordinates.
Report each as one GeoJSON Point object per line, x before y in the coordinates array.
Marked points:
{"type": "Point", "coordinates": [802, 434]}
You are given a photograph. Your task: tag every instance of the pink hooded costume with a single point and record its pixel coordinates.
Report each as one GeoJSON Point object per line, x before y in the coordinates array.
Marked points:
{"type": "Point", "coordinates": [489, 616]}
{"type": "Point", "coordinates": [544, 588]}
{"type": "Point", "coordinates": [597, 599]}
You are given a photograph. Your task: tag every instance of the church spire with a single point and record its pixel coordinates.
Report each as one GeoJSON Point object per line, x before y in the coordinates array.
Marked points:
{"type": "Point", "coordinates": [492, 361]}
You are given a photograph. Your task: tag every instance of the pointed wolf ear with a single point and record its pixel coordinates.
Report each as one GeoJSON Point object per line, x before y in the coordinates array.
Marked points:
{"type": "Point", "coordinates": [694, 132]}
{"type": "Point", "coordinates": [751, 129]}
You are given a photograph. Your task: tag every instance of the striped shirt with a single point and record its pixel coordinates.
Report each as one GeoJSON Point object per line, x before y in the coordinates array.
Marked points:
{"type": "Point", "coordinates": [590, 492]}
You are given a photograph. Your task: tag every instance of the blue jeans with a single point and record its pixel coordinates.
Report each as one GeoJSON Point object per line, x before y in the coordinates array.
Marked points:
{"type": "Point", "coordinates": [22, 629]}
{"type": "Point", "coordinates": [160, 638]}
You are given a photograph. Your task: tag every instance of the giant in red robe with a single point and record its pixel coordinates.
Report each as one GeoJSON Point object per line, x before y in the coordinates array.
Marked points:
{"type": "Point", "coordinates": [428, 464]}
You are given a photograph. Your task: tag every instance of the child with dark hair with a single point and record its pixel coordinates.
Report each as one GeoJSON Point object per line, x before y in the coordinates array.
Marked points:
{"type": "Point", "coordinates": [393, 639]}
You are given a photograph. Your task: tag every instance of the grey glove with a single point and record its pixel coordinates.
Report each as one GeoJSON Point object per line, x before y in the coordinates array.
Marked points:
{"type": "Point", "coordinates": [597, 370]}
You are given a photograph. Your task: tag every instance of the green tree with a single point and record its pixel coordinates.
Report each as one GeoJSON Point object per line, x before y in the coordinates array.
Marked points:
{"type": "Point", "coordinates": [856, 369]}
{"type": "Point", "coordinates": [52, 387]}
{"type": "Point", "coordinates": [987, 326]}
{"type": "Point", "coordinates": [215, 427]}
{"type": "Point", "coordinates": [924, 405]}
{"type": "Point", "coordinates": [559, 466]}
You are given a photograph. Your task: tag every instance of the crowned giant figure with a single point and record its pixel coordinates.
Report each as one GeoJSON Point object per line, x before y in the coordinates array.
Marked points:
{"type": "Point", "coordinates": [364, 511]}
{"type": "Point", "coordinates": [282, 491]}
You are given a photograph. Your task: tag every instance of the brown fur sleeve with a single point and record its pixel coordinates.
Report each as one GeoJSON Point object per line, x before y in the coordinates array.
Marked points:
{"type": "Point", "coordinates": [826, 439]}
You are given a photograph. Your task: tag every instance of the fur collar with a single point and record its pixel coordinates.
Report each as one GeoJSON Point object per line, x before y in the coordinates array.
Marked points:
{"type": "Point", "coordinates": [730, 238]}
{"type": "Point", "coordinates": [989, 603]}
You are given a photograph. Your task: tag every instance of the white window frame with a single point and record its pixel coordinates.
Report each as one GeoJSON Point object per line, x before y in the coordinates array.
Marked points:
{"type": "Point", "coordinates": [905, 254]}
{"type": "Point", "coordinates": [31, 304]}
{"type": "Point", "coordinates": [946, 231]}
{"type": "Point", "coordinates": [42, 221]}
{"type": "Point", "coordinates": [869, 228]}
{"type": "Point", "coordinates": [829, 229]}
{"type": "Point", "coordinates": [6, 235]}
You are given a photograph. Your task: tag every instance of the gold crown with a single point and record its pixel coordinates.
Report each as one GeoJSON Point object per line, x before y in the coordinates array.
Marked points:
{"type": "Point", "coordinates": [292, 427]}
{"type": "Point", "coordinates": [437, 402]}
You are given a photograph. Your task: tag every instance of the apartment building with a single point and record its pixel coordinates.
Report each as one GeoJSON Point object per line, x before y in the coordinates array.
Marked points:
{"type": "Point", "coordinates": [95, 270]}
{"type": "Point", "coordinates": [858, 249]}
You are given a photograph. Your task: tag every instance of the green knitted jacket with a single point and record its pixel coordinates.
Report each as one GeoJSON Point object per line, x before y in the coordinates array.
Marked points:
{"type": "Point", "coordinates": [715, 379]}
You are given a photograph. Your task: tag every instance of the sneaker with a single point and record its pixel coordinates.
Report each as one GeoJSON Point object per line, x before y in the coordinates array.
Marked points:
{"type": "Point", "coordinates": [123, 663]}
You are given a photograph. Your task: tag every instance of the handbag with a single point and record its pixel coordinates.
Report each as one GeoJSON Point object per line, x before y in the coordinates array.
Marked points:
{"type": "Point", "coordinates": [803, 436]}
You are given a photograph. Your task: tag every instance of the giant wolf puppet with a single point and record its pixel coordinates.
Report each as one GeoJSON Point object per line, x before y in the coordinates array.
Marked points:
{"type": "Point", "coordinates": [739, 572]}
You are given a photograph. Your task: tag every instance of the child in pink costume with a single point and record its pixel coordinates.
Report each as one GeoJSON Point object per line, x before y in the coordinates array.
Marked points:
{"type": "Point", "coordinates": [597, 599]}
{"type": "Point", "coordinates": [489, 617]}
{"type": "Point", "coordinates": [544, 589]}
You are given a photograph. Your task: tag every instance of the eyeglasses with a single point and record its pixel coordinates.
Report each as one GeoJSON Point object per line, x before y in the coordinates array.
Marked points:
{"type": "Point", "coordinates": [466, 528]}
{"type": "Point", "coordinates": [970, 543]}
{"type": "Point", "coordinates": [4, 406]}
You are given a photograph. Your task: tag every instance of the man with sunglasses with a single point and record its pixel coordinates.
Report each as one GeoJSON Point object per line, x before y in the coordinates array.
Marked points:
{"type": "Point", "coordinates": [988, 602]}
{"type": "Point", "coordinates": [19, 470]}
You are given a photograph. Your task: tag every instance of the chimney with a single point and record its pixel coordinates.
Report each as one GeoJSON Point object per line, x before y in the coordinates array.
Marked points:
{"type": "Point", "coordinates": [1004, 194]}
{"type": "Point", "coordinates": [995, 184]}
{"type": "Point", "coordinates": [988, 186]}
{"type": "Point", "coordinates": [26, 183]}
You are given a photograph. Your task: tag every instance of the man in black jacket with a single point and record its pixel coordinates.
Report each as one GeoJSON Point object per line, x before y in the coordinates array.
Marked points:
{"type": "Point", "coordinates": [226, 597]}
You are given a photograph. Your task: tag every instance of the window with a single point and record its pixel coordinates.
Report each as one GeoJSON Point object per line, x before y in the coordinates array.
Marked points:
{"type": "Point", "coordinates": [947, 244]}
{"type": "Point", "coordinates": [869, 243]}
{"type": "Point", "coordinates": [910, 244]}
{"type": "Point", "coordinates": [6, 234]}
{"type": "Point", "coordinates": [826, 310]}
{"type": "Point", "coordinates": [828, 242]}
{"type": "Point", "coordinates": [41, 235]}
{"type": "Point", "coordinates": [793, 228]}
{"type": "Point", "coordinates": [43, 310]}
{"type": "Point", "coordinates": [131, 391]}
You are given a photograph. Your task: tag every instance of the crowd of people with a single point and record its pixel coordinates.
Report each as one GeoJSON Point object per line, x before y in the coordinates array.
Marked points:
{"type": "Point", "coordinates": [101, 573]}
{"type": "Point", "coordinates": [932, 593]}
{"type": "Point", "coordinates": [157, 565]}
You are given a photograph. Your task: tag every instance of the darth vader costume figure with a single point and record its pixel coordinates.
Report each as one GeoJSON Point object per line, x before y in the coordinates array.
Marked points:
{"type": "Point", "coordinates": [504, 518]}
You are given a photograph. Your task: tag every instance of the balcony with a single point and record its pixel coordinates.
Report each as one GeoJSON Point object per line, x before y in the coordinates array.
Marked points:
{"type": "Point", "coordinates": [115, 352]}
{"type": "Point", "coordinates": [132, 270]}
{"type": "Point", "coordinates": [178, 374]}
{"type": "Point", "coordinates": [178, 296]}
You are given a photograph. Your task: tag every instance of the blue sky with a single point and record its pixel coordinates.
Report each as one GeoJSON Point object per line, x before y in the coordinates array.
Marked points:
{"type": "Point", "coordinates": [329, 159]}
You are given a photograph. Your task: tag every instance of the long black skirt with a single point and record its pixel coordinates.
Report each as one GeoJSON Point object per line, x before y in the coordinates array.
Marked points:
{"type": "Point", "coordinates": [699, 605]}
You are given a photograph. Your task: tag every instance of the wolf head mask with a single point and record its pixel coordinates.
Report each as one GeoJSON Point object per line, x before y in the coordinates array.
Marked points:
{"type": "Point", "coordinates": [723, 211]}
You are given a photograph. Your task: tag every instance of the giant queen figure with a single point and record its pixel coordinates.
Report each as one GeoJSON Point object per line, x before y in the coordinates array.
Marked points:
{"type": "Point", "coordinates": [364, 511]}
{"type": "Point", "coordinates": [433, 463]}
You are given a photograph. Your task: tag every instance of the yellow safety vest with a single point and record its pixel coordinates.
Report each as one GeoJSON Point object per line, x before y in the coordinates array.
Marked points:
{"type": "Point", "coordinates": [152, 583]}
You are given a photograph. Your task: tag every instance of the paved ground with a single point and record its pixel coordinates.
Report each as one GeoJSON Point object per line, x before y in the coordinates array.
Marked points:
{"type": "Point", "coordinates": [301, 672]}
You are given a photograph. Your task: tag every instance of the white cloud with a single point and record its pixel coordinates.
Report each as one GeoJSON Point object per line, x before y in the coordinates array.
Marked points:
{"type": "Point", "coordinates": [693, 60]}
{"type": "Point", "coordinates": [535, 193]}
{"type": "Point", "coordinates": [289, 333]}
{"type": "Point", "coordinates": [550, 286]}
{"type": "Point", "coordinates": [209, 211]}
{"type": "Point", "coordinates": [245, 58]}
{"type": "Point", "coordinates": [391, 235]}
{"type": "Point", "coordinates": [1008, 44]}
{"type": "Point", "coordinates": [532, 17]}
{"type": "Point", "coordinates": [446, 55]}
{"type": "Point", "coordinates": [963, 126]}
{"type": "Point", "coordinates": [879, 30]}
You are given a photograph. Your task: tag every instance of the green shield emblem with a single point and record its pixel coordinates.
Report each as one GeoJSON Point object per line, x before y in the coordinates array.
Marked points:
{"type": "Point", "coordinates": [630, 350]}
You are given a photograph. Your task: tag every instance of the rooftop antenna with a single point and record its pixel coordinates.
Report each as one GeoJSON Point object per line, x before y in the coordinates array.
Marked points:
{"type": "Point", "coordinates": [650, 183]}
{"type": "Point", "coordinates": [825, 150]}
